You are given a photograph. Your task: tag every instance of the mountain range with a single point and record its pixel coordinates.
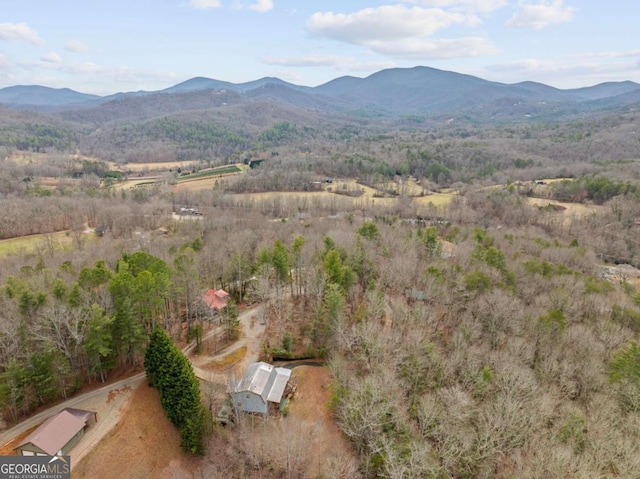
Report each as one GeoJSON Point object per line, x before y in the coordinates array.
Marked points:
{"type": "Point", "coordinates": [423, 91]}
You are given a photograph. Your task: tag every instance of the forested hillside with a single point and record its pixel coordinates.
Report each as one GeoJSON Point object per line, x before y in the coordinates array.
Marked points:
{"type": "Point", "coordinates": [472, 287]}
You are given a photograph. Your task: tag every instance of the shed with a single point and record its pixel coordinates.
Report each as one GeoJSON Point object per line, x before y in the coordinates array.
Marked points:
{"type": "Point", "coordinates": [58, 434]}
{"type": "Point", "coordinates": [262, 384]}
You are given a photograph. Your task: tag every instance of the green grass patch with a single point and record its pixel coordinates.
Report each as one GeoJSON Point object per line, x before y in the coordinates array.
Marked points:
{"type": "Point", "coordinates": [221, 170]}
{"type": "Point", "coordinates": [227, 361]}
{"type": "Point", "coordinates": [33, 243]}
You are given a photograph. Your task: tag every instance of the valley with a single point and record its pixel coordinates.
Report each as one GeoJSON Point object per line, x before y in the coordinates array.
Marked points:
{"type": "Point", "coordinates": [458, 259]}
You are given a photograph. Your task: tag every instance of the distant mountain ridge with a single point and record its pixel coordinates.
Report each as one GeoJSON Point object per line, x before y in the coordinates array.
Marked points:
{"type": "Point", "coordinates": [42, 95]}
{"type": "Point", "coordinates": [397, 91]}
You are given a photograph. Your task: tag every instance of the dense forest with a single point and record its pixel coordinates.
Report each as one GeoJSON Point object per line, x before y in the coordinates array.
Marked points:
{"type": "Point", "coordinates": [494, 335]}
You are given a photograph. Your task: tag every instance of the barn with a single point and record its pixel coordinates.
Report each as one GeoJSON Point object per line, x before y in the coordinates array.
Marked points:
{"type": "Point", "coordinates": [58, 434]}
{"type": "Point", "coordinates": [262, 384]}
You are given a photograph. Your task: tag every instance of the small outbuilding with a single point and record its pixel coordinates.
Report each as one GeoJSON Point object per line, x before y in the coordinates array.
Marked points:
{"type": "Point", "coordinates": [58, 434]}
{"type": "Point", "coordinates": [262, 384]}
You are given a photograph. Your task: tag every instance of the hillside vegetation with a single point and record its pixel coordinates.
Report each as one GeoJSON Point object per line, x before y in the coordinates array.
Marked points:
{"type": "Point", "coordinates": [471, 285]}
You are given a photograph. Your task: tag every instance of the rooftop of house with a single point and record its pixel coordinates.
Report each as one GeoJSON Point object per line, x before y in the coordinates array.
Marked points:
{"type": "Point", "coordinates": [53, 434]}
{"type": "Point", "coordinates": [216, 298]}
{"type": "Point", "coordinates": [265, 380]}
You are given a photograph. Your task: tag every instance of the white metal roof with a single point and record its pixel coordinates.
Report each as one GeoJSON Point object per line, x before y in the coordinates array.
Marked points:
{"type": "Point", "coordinates": [280, 382]}
{"type": "Point", "coordinates": [265, 380]}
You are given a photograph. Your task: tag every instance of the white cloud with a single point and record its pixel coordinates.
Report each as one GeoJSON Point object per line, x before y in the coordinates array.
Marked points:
{"type": "Point", "coordinates": [481, 6]}
{"type": "Point", "coordinates": [90, 77]}
{"type": "Point", "coordinates": [19, 31]}
{"type": "Point", "coordinates": [306, 61]}
{"type": "Point", "coordinates": [541, 14]}
{"type": "Point", "coordinates": [389, 22]}
{"type": "Point", "coordinates": [51, 57]}
{"type": "Point", "coordinates": [76, 46]}
{"type": "Point", "coordinates": [337, 62]}
{"type": "Point", "coordinates": [566, 72]}
{"type": "Point", "coordinates": [205, 4]}
{"type": "Point", "coordinates": [629, 54]}
{"type": "Point", "coordinates": [405, 32]}
{"type": "Point", "coordinates": [118, 73]}
{"type": "Point", "coordinates": [261, 6]}
{"type": "Point", "coordinates": [4, 62]}
{"type": "Point", "coordinates": [428, 49]}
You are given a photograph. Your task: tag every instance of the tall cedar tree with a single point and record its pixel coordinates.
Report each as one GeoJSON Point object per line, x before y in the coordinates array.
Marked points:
{"type": "Point", "coordinates": [171, 373]}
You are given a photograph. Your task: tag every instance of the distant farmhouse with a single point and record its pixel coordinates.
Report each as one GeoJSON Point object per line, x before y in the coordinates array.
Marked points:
{"type": "Point", "coordinates": [58, 434]}
{"type": "Point", "coordinates": [262, 385]}
{"type": "Point", "coordinates": [185, 211]}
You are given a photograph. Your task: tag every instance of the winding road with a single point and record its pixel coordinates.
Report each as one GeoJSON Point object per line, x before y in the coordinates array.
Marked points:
{"type": "Point", "coordinates": [109, 400]}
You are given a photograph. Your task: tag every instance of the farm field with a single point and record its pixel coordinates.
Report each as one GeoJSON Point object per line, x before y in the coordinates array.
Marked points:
{"type": "Point", "coordinates": [59, 241]}
{"type": "Point", "coordinates": [153, 167]}
{"type": "Point", "coordinates": [208, 172]}
{"type": "Point", "coordinates": [568, 209]}
{"type": "Point", "coordinates": [342, 193]}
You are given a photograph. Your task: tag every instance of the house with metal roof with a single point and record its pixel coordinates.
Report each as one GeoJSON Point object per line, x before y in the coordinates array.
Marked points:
{"type": "Point", "coordinates": [58, 434]}
{"type": "Point", "coordinates": [262, 384]}
{"type": "Point", "coordinates": [216, 300]}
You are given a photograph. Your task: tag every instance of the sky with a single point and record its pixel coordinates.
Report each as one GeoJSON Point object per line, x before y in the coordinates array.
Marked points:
{"type": "Point", "coordinates": [104, 47]}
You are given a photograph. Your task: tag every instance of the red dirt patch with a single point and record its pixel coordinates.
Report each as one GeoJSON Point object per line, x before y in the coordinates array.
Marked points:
{"type": "Point", "coordinates": [331, 449]}
{"type": "Point", "coordinates": [114, 392]}
{"type": "Point", "coordinates": [8, 449]}
{"type": "Point", "coordinates": [143, 444]}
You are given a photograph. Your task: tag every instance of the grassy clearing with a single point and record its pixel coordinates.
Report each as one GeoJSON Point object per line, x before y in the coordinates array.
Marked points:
{"type": "Point", "coordinates": [31, 244]}
{"type": "Point", "coordinates": [221, 170]}
{"type": "Point", "coordinates": [159, 166]}
{"type": "Point", "coordinates": [437, 199]}
{"type": "Point", "coordinates": [227, 361]}
{"type": "Point", "coordinates": [570, 209]}
{"type": "Point", "coordinates": [129, 184]}
{"type": "Point", "coordinates": [364, 201]}
{"type": "Point", "coordinates": [27, 157]}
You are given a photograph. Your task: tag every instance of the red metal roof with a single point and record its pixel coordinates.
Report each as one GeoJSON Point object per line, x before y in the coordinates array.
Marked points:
{"type": "Point", "coordinates": [53, 434]}
{"type": "Point", "coordinates": [216, 299]}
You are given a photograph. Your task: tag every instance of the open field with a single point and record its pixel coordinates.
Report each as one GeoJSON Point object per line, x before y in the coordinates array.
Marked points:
{"type": "Point", "coordinates": [364, 201]}
{"type": "Point", "coordinates": [208, 172]}
{"type": "Point", "coordinates": [579, 210]}
{"type": "Point", "coordinates": [153, 167]}
{"type": "Point", "coordinates": [129, 184]}
{"type": "Point", "coordinates": [201, 184]}
{"type": "Point", "coordinates": [203, 179]}
{"type": "Point", "coordinates": [342, 192]}
{"type": "Point", "coordinates": [30, 244]}
{"type": "Point", "coordinates": [27, 157]}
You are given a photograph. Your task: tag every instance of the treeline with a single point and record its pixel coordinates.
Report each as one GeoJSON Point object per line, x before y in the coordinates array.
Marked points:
{"type": "Point", "coordinates": [170, 372]}
{"type": "Point", "coordinates": [456, 350]}
{"type": "Point", "coordinates": [597, 189]}
{"type": "Point", "coordinates": [436, 385]}
{"type": "Point", "coordinates": [42, 211]}
{"type": "Point", "coordinates": [283, 133]}
{"type": "Point", "coordinates": [39, 137]}
{"type": "Point", "coordinates": [343, 147]}
{"type": "Point", "coordinates": [479, 342]}
{"type": "Point", "coordinates": [66, 327]}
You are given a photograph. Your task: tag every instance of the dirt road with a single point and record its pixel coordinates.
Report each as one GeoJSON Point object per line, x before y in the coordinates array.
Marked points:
{"type": "Point", "coordinates": [106, 401]}
{"type": "Point", "coordinates": [109, 400]}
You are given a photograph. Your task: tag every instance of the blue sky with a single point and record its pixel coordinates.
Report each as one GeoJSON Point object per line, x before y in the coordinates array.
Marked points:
{"type": "Point", "coordinates": [98, 46]}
